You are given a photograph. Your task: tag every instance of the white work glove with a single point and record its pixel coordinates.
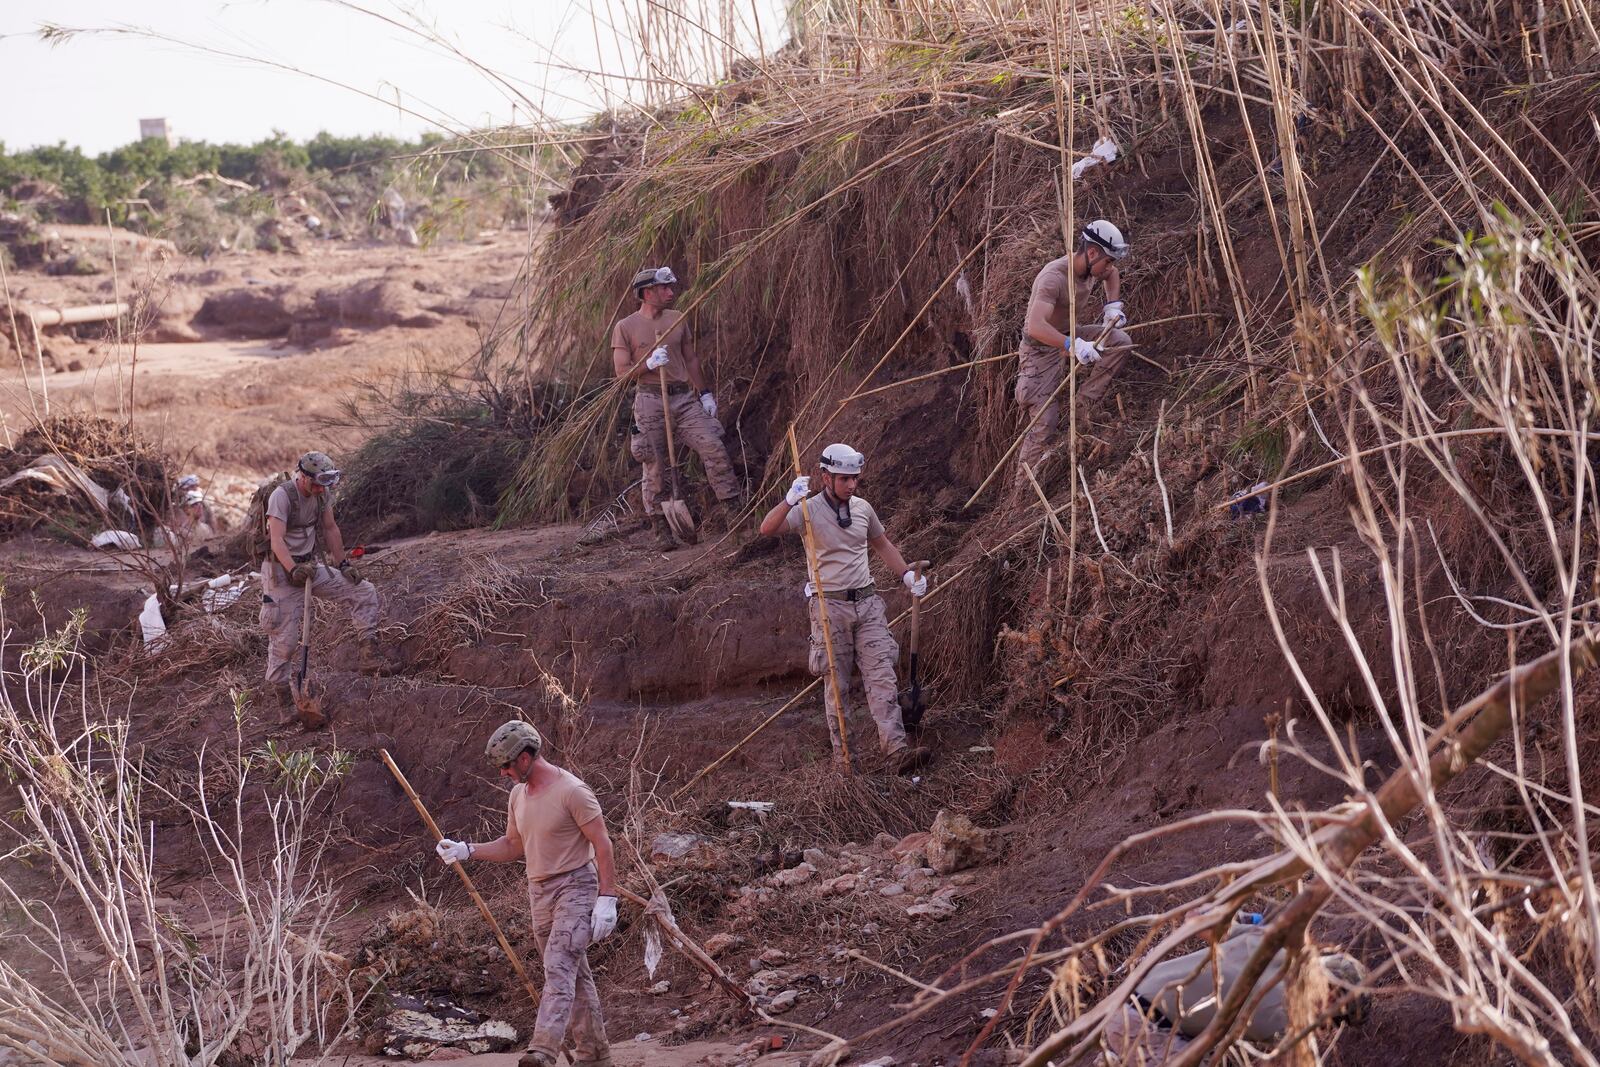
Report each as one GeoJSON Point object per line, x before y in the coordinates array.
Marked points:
{"type": "Point", "coordinates": [605, 918]}
{"type": "Point", "coordinates": [453, 851]}
{"type": "Point", "coordinates": [798, 491]}
{"type": "Point", "coordinates": [658, 359]}
{"type": "Point", "coordinates": [1083, 351]}
{"type": "Point", "coordinates": [709, 403]}
{"type": "Point", "coordinates": [1111, 315]}
{"type": "Point", "coordinates": [918, 586]}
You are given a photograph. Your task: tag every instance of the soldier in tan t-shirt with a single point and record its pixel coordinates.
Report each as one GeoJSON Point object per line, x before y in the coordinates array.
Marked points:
{"type": "Point", "coordinates": [655, 340]}
{"type": "Point", "coordinates": [1063, 283]}
{"type": "Point", "coordinates": [554, 825]}
{"type": "Point", "coordinates": [845, 527]}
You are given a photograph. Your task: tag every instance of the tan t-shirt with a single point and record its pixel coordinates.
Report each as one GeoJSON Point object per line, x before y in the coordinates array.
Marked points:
{"type": "Point", "coordinates": [638, 336]}
{"type": "Point", "coordinates": [1051, 286]}
{"type": "Point", "coordinates": [547, 825]}
{"type": "Point", "coordinates": [841, 551]}
{"type": "Point", "coordinates": [299, 514]}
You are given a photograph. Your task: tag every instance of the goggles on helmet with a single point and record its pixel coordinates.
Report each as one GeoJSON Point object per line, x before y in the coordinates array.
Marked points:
{"type": "Point", "coordinates": [664, 276]}
{"type": "Point", "coordinates": [326, 479]}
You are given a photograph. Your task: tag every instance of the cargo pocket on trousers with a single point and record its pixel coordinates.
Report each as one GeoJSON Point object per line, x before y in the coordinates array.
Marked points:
{"type": "Point", "coordinates": [817, 654]}
{"type": "Point", "coordinates": [639, 445]}
{"type": "Point", "coordinates": [269, 613]}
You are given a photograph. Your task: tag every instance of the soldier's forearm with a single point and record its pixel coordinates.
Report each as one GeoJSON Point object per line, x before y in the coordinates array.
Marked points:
{"type": "Point", "coordinates": [500, 850]}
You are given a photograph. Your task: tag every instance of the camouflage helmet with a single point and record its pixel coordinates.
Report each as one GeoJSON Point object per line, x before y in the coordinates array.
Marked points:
{"type": "Point", "coordinates": [653, 276]}
{"type": "Point", "coordinates": [319, 468]}
{"type": "Point", "coordinates": [511, 741]}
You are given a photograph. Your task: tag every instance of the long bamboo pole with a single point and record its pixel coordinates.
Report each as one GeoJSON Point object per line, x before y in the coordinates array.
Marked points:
{"type": "Point", "coordinates": [768, 721]}
{"type": "Point", "coordinates": [822, 607]}
{"type": "Point", "coordinates": [466, 879]}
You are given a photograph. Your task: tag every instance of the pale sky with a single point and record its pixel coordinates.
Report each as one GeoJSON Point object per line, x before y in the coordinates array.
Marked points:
{"type": "Point", "coordinates": [92, 91]}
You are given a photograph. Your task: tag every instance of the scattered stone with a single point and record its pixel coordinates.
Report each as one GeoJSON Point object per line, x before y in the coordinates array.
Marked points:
{"type": "Point", "coordinates": [940, 906]}
{"type": "Point", "coordinates": [660, 987]}
{"type": "Point", "coordinates": [717, 944]}
{"type": "Point", "coordinates": [954, 843]}
{"type": "Point", "coordinates": [795, 875]}
{"type": "Point", "coordinates": [884, 842]}
{"type": "Point", "coordinates": [783, 1001]}
{"type": "Point", "coordinates": [845, 883]}
{"type": "Point", "coordinates": [774, 955]}
{"type": "Point", "coordinates": [893, 889]}
{"type": "Point", "coordinates": [869, 929]}
{"type": "Point", "coordinates": [911, 849]}
{"type": "Point", "coordinates": [646, 1036]}
{"type": "Point", "coordinates": [765, 982]}
{"type": "Point", "coordinates": [815, 856]}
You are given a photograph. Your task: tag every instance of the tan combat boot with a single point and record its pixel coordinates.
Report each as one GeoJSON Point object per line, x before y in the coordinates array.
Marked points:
{"type": "Point", "coordinates": [282, 696]}
{"type": "Point", "coordinates": [536, 1058]}
{"type": "Point", "coordinates": [374, 658]}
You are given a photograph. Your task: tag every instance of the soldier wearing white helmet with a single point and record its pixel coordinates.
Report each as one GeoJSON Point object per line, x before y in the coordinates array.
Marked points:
{"type": "Point", "coordinates": [1045, 344]}
{"type": "Point", "coordinates": [845, 527]}
{"type": "Point", "coordinates": [555, 826]}
{"type": "Point", "coordinates": [657, 338]}
{"type": "Point", "coordinates": [300, 526]}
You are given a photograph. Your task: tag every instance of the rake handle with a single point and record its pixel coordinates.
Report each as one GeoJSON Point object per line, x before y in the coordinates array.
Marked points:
{"type": "Point", "coordinates": [466, 879]}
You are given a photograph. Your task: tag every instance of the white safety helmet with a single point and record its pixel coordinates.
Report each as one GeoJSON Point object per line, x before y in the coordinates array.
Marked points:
{"type": "Point", "coordinates": [653, 276]}
{"type": "Point", "coordinates": [839, 458]}
{"type": "Point", "coordinates": [194, 496]}
{"type": "Point", "coordinates": [1106, 237]}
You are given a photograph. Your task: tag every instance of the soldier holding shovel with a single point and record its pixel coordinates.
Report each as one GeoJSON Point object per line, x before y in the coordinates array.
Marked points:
{"type": "Point", "coordinates": [656, 340]}
{"type": "Point", "coordinates": [845, 527]}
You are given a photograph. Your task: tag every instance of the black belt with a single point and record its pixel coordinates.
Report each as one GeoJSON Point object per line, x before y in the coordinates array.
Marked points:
{"type": "Point", "coordinates": [307, 558]}
{"type": "Point", "coordinates": [852, 595]}
{"type": "Point", "coordinates": [673, 389]}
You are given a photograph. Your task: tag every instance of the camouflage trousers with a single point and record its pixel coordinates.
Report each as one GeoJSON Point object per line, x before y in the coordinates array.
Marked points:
{"type": "Point", "coordinates": [691, 428]}
{"type": "Point", "coordinates": [861, 638]}
{"type": "Point", "coordinates": [1132, 1040]}
{"type": "Point", "coordinates": [1041, 376]}
{"type": "Point", "coordinates": [282, 606]}
{"type": "Point", "coordinates": [569, 1006]}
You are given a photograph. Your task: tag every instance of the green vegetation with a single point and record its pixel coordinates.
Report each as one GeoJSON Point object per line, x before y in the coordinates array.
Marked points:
{"type": "Point", "coordinates": [206, 196]}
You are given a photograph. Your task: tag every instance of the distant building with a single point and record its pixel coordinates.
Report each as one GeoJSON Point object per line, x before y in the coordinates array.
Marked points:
{"type": "Point", "coordinates": [157, 129]}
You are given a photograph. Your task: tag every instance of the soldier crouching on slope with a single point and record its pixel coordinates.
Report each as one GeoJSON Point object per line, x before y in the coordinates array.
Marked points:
{"type": "Point", "coordinates": [1063, 283]}
{"type": "Point", "coordinates": [554, 825]}
{"type": "Point", "coordinates": [845, 527]}
{"type": "Point", "coordinates": [300, 521]}
{"type": "Point", "coordinates": [653, 339]}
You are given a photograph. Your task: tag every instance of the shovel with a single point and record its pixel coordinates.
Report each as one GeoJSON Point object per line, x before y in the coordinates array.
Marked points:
{"type": "Point", "coordinates": [675, 510]}
{"type": "Point", "coordinates": [911, 702]}
{"type": "Point", "coordinates": [308, 704]}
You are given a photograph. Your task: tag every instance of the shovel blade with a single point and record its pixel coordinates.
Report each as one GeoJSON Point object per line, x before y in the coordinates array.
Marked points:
{"type": "Point", "coordinates": [911, 707]}
{"type": "Point", "coordinates": [679, 519]}
{"type": "Point", "coordinates": [308, 705]}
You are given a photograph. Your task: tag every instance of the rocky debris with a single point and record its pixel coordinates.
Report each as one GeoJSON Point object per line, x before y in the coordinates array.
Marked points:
{"type": "Point", "coordinates": [954, 843]}
{"type": "Point", "coordinates": [783, 1001]}
{"type": "Point", "coordinates": [794, 876]}
{"type": "Point", "coordinates": [660, 988]}
{"type": "Point", "coordinates": [672, 845]}
{"type": "Point", "coordinates": [940, 906]}
{"type": "Point", "coordinates": [418, 1029]}
{"type": "Point", "coordinates": [375, 302]}
{"type": "Point", "coordinates": [717, 944]}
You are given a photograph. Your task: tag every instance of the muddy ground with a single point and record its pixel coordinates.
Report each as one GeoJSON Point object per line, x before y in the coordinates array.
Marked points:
{"type": "Point", "coordinates": [640, 667]}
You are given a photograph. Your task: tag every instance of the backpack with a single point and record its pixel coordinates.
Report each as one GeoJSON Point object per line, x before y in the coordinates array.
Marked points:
{"type": "Point", "coordinates": [255, 540]}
